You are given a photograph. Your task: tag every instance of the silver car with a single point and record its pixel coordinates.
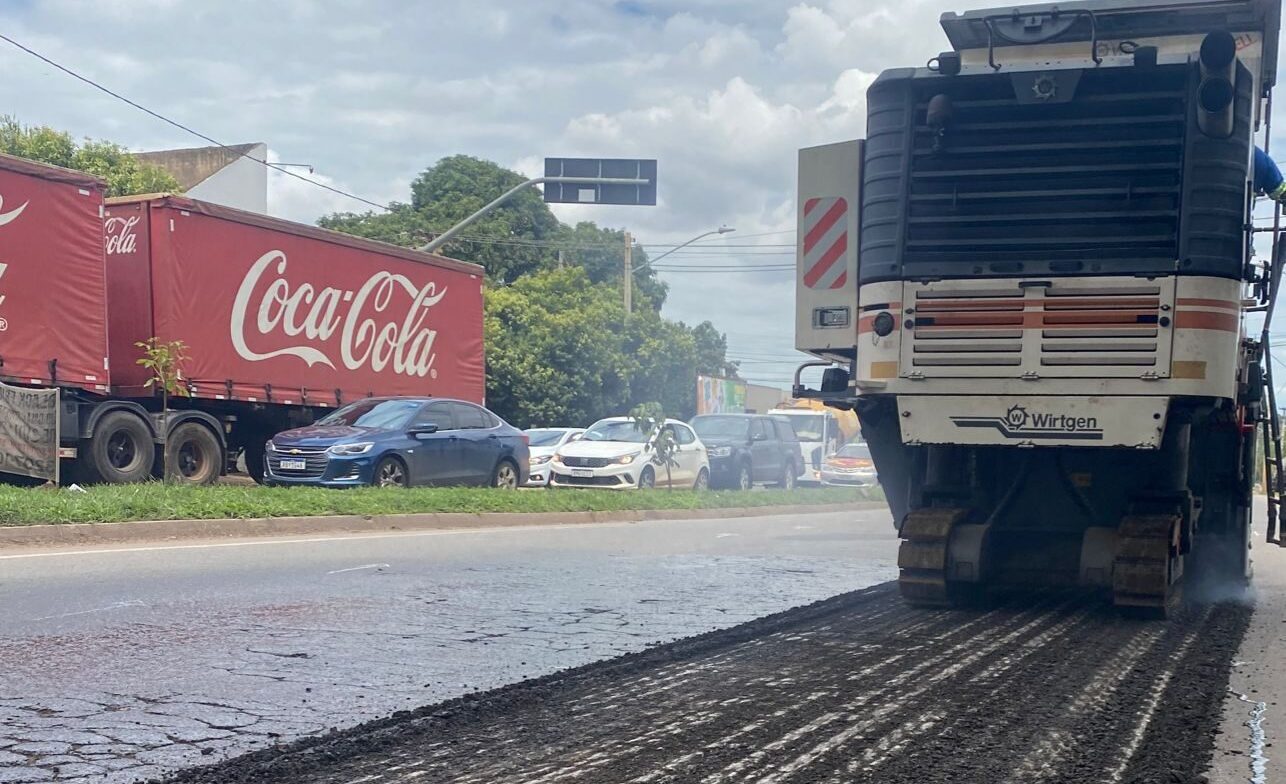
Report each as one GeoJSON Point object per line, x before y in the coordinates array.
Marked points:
{"type": "Point", "coordinates": [543, 442]}
{"type": "Point", "coordinates": [850, 465]}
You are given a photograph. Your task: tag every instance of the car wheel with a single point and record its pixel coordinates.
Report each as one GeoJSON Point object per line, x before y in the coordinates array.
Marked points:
{"type": "Point", "coordinates": [390, 472]}
{"type": "Point", "coordinates": [193, 455]}
{"type": "Point", "coordinates": [505, 476]}
{"type": "Point", "coordinates": [647, 479]}
{"type": "Point", "coordinates": [703, 480]}
{"type": "Point", "coordinates": [787, 477]}
{"type": "Point", "coordinates": [745, 477]}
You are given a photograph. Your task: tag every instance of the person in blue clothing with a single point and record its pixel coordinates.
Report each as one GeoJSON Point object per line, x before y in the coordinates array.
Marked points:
{"type": "Point", "coordinates": [1268, 178]}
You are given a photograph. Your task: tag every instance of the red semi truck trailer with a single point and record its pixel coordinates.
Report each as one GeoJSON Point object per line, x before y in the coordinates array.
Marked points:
{"type": "Point", "coordinates": [281, 322]}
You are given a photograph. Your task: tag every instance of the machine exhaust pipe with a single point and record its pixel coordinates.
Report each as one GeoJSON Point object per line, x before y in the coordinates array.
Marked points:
{"type": "Point", "coordinates": [1216, 93]}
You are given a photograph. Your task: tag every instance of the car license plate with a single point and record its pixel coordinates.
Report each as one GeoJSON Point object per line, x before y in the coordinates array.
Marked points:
{"type": "Point", "coordinates": [296, 464]}
{"type": "Point", "coordinates": [582, 473]}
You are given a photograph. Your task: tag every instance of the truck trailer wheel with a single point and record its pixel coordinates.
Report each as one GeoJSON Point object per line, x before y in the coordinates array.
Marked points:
{"type": "Point", "coordinates": [194, 455]}
{"type": "Point", "coordinates": [121, 449]}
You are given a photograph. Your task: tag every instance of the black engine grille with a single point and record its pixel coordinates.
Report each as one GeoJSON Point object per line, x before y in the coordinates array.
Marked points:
{"type": "Point", "coordinates": [1099, 177]}
{"type": "Point", "coordinates": [1095, 178]}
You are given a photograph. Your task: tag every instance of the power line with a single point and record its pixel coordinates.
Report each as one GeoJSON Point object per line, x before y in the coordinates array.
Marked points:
{"type": "Point", "coordinates": [707, 264]}
{"type": "Point", "coordinates": [699, 271]}
{"type": "Point", "coordinates": [770, 357]}
{"type": "Point", "coordinates": [760, 234]}
{"type": "Point", "coordinates": [708, 245]}
{"type": "Point", "coordinates": [183, 127]}
{"type": "Point", "coordinates": [564, 245]}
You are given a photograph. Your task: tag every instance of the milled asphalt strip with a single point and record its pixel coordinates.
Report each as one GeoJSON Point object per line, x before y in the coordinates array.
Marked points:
{"type": "Point", "coordinates": [1046, 753]}
{"type": "Point", "coordinates": [163, 530]}
{"type": "Point", "coordinates": [902, 699]}
{"type": "Point", "coordinates": [610, 752]}
{"type": "Point", "coordinates": [1150, 707]}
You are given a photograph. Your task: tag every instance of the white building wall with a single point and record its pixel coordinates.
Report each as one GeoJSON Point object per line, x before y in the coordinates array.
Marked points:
{"type": "Point", "coordinates": [242, 184]}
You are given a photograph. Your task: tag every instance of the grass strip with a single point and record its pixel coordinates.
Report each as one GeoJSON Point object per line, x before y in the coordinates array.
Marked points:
{"type": "Point", "coordinates": [156, 501]}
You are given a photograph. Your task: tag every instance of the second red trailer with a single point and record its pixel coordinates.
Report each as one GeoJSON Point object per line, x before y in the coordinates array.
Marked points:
{"type": "Point", "coordinates": [278, 312]}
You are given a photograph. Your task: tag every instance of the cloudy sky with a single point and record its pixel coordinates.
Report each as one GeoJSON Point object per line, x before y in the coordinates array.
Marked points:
{"type": "Point", "coordinates": [722, 92]}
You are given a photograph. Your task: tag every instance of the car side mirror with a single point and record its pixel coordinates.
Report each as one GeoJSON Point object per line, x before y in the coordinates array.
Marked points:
{"type": "Point", "coordinates": [759, 437]}
{"type": "Point", "coordinates": [422, 430]}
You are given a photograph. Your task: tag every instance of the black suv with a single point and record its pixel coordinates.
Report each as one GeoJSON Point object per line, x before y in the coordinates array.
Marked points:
{"type": "Point", "coordinates": [749, 448]}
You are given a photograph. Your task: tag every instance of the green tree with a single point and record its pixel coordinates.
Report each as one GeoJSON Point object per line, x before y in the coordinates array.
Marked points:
{"type": "Point", "coordinates": [712, 351]}
{"type": "Point", "coordinates": [554, 350]}
{"type": "Point", "coordinates": [601, 253]}
{"type": "Point", "coordinates": [164, 361]}
{"type": "Point", "coordinates": [125, 174]}
{"type": "Point", "coordinates": [650, 418]}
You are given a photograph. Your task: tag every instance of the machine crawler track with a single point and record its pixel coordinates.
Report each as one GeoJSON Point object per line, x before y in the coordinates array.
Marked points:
{"type": "Point", "coordinates": [1148, 572]}
{"type": "Point", "coordinates": [923, 558]}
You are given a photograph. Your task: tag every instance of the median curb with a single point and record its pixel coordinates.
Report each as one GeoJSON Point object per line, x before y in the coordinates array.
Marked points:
{"type": "Point", "coordinates": [168, 530]}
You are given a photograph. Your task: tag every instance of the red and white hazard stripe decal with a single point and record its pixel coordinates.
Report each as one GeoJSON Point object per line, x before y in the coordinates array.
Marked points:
{"type": "Point", "coordinates": [825, 243]}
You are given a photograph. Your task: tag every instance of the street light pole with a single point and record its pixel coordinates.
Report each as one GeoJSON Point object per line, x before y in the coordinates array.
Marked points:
{"type": "Point", "coordinates": [628, 277]}
{"type": "Point", "coordinates": [650, 262]}
{"type": "Point", "coordinates": [454, 230]}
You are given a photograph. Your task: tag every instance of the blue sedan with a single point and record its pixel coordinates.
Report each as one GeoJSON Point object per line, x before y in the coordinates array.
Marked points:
{"type": "Point", "coordinates": [399, 442]}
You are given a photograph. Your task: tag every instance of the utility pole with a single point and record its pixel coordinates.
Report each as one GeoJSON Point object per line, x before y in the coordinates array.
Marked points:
{"type": "Point", "coordinates": [629, 272]}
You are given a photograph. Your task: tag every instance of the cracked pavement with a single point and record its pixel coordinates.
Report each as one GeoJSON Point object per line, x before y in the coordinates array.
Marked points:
{"type": "Point", "coordinates": [127, 663]}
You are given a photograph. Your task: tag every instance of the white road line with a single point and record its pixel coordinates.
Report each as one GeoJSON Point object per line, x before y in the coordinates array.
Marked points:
{"type": "Point", "coordinates": [360, 568]}
{"type": "Point", "coordinates": [108, 608]}
{"type": "Point", "coordinates": [311, 540]}
{"type": "Point", "coordinates": [1258, 762]}
{"type": "Point", "coordinates": [338, 538]}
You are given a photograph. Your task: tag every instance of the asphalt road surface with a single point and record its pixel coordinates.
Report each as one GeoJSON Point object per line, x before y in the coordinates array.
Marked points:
{"type": "Point", "coordinates": [854, 689]}
{"type": "Point", "coordinates": [125, 663]}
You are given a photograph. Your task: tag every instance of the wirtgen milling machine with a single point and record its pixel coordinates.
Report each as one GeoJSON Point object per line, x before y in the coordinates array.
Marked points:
{"type": "Point", "coordinates": [1032, 281]}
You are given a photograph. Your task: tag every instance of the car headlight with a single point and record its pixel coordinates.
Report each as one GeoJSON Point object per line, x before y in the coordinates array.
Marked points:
{"type": "Point", "coordinates": [540, 459]}
{"type": "Point", "coordinates": [720, 451]}
{"type": "Point", "coordinates": [627, 459]}
{"type": "Point", "coordinates": [270, 447]}
{"type": "Point", "coordinates": [351, 449]}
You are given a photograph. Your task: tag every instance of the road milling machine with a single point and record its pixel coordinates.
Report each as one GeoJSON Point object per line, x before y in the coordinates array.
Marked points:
{"type": "Point", "coordinates": [1036, 282]}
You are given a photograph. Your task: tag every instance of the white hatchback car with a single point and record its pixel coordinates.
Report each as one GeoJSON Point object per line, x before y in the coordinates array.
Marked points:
{"type": "Point", "coordinates": [614, 454]}
{"type": "Point", "coordinates": [542, 443]}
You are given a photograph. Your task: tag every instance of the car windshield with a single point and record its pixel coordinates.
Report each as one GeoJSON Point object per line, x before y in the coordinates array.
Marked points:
{"type": "Point", "coordinates": [616, 430]}
{"type": "Point", "coordinates": [375, 414]}
{"type": "Point", "coordinates": [721, 426]}
{"type": "Point", "coordinates": [808, 427]}
{"type": "Point", "coordinates": [854, 450]}
{"type": "Point", "coordinates": [544, 437]}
